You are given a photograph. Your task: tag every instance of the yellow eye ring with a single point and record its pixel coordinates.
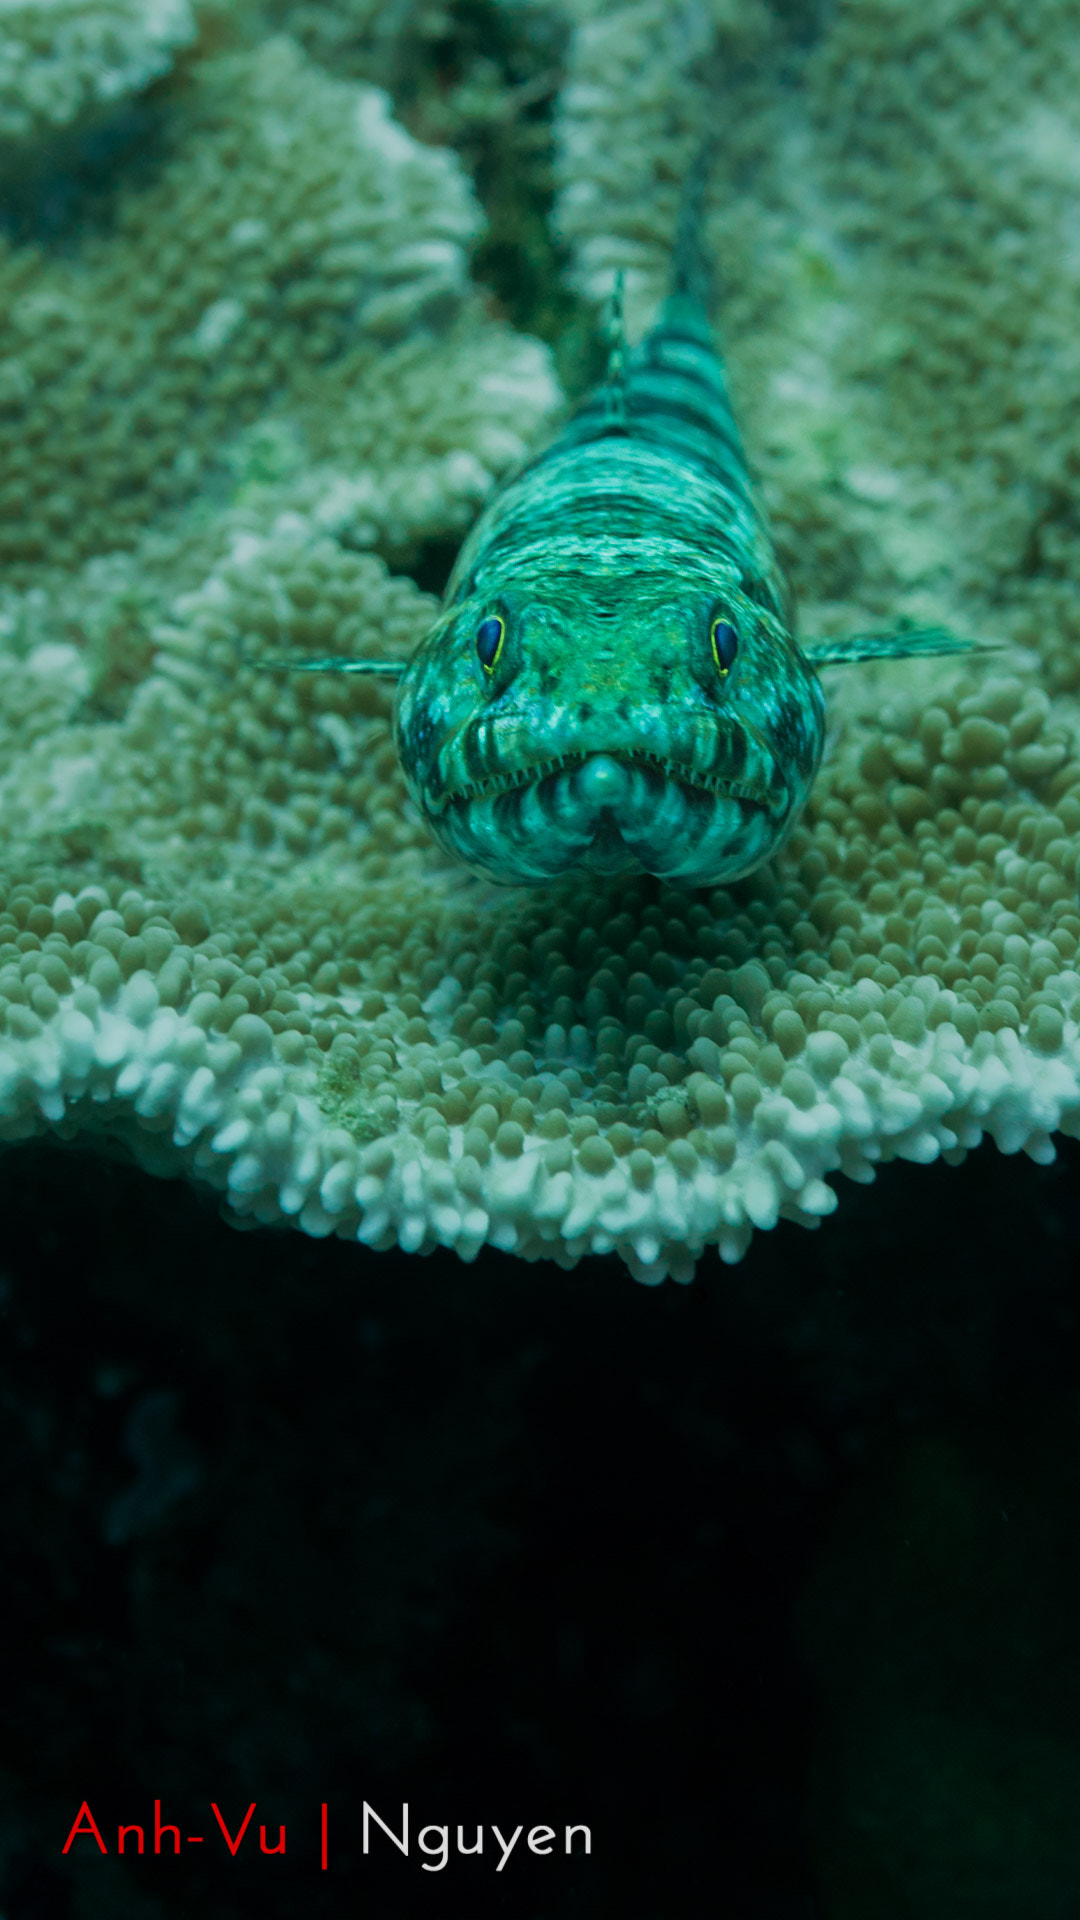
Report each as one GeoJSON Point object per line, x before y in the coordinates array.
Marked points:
{"type": "Point", "coordinates": [725, 645]}
{"type": "Point", "coordinates": [490, 635]}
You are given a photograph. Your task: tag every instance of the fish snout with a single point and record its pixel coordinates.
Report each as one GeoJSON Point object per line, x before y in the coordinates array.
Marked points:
{"type": "Point", "coordinates": [601, 783]}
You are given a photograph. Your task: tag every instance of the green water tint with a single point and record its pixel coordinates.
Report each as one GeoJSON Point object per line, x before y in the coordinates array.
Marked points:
{"type": "Point", "coordinates": [614, 682]}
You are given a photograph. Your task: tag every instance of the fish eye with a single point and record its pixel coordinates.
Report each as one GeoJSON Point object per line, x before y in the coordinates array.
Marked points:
{"type": "Point", "coordinates": [725, 645]}
{"type": "Point", "coordinates": [489, 641]}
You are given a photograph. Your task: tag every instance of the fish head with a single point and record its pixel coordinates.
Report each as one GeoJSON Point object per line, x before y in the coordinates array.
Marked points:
{"type": "Point", "coordinates": [610, 718]}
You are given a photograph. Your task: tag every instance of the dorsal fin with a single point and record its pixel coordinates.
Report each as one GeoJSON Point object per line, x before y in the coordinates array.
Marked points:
{"type": "Point", "coordinates": [616, 367]}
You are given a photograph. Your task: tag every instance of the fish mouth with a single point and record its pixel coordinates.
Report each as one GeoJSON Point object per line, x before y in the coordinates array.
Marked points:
{"type": "Point", "coordinates": [516, 780]}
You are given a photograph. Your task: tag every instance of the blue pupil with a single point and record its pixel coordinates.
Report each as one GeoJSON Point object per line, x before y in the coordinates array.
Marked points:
{"type": "Point", "coordinates": [488, 635]}
{"type": "Point", "coordinates": [726, 642]}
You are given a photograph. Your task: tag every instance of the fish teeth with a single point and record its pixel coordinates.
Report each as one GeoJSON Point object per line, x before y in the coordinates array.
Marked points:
{"type": "Point", "coordinates": [511, 782]}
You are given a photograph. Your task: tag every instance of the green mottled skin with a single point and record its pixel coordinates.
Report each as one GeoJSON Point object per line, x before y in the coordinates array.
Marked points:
{"type": "Point", "coordinates": [607, 737]}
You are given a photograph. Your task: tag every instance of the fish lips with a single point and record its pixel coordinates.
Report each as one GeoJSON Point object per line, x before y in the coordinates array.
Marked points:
{"type": "Point", "coordinates": [729, 763]}
{"type": "Point", "coordinates": [607, 814]}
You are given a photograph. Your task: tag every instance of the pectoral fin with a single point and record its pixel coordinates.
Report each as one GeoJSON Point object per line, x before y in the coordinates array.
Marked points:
{"type": "Point", "coordinates": [392, 669]}
{"type": "Point", "coordinates": [902, 644]}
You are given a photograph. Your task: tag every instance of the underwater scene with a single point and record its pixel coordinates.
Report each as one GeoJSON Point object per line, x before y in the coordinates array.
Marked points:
{"type": "Point", "coordinates": [539, 981]}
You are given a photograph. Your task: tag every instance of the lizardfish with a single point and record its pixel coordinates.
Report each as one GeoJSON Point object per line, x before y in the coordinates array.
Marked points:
{"type": "Point", "coordinates": [613, 681]}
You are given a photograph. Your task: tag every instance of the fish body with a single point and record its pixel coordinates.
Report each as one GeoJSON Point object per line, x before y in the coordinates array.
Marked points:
{"type": "Point", "coordinates": [613, 682]}
{"type": "Point", "coordinates": [647, 707]}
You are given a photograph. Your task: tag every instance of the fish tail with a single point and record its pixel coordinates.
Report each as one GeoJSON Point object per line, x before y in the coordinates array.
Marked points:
{"type": "Point", "coordinates": [676, 389]}
{"type": "Point", "coordinates": [691, 283]}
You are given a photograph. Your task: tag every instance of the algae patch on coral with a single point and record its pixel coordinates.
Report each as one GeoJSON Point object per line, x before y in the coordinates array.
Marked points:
{"type": "Point", "coordinates": [224, 936]}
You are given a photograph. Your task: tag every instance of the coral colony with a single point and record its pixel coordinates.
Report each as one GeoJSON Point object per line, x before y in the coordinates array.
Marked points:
{"type": "Point", "coordinates": [259, 371]}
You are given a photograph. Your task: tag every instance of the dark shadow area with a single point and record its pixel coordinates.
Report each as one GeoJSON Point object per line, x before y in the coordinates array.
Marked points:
{"type": "Point", "coordinates": [57, 191]}
{"type": "Point", "coordinates": [289, 1522]}
{"type": "Point", "coordinates": [428, 563]}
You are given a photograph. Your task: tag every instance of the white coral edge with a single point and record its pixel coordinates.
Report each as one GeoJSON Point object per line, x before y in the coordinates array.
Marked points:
{"type": "Point", "coordinates": [235, 1115]}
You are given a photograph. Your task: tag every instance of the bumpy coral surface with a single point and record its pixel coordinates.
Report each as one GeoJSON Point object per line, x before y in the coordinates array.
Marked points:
{"type": "Point", "coordinates": [64, 62]}
{"type": "Point", "coordinates": [226, 939]}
